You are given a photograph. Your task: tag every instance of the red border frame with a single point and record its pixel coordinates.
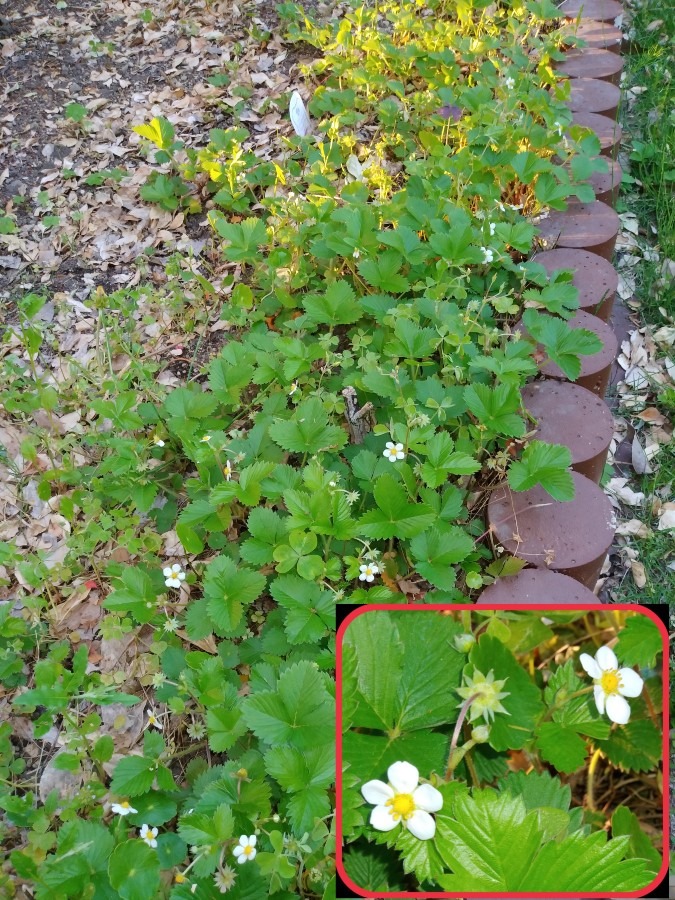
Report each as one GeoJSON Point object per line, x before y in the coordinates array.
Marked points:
{"type": "Point", "coordinates": [548, 607]}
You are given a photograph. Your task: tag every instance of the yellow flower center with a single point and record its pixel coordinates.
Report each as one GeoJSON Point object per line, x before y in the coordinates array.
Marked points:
{"type": "Point", "coordinates": [402, 806]}
{"type": "Point", "coordinates": [125, 804]}
{"type": "Point", "coordinates": [610, 682]}
{"type": "Point", "coordinates": [179, 878]}
{"type": "Point", "coordinates": [248, 849]}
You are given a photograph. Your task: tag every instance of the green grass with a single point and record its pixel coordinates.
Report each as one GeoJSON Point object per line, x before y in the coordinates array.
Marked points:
{"type": "Point", "coordinates": [650, 124]}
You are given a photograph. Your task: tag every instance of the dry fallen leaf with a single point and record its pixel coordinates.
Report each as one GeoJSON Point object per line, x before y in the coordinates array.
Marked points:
{"type": "Point", "coordinates": [638, 573]}
{"type": "Point", "coordinates": [639, 457]}
{"type": "Point", "coordinates": [667, 517]}
{"type": "Point", "coordinates": [617, 488]}
{"type": "Point", "coordinates": [633, 528]}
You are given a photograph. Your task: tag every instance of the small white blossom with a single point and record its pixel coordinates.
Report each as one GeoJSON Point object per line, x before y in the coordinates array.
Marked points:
{"type": "Point", "coordinates": [174, 575]}
{"type": "Point", "coordinates": [123, 808]}
{"type": "Point", "coordinates": [612, 684]}
{"type": "Point", "coordinates": [293, 389]}
{"type": "Point", "coordinates": [488, 255]}
{"type": "Point", "coordinates": [356, 254]}
{"type": "Point", "coordinates": [157, 441]}
{"type": "Point", "coordinates": [225, 879]}
{"type": "Point", "coordinates": [368, 572]}
{"type": "Point", "coordinates": [205, 438]}
{"type": "Point", "coordinates": [227, 471]}
{"type": "Point", "coordinates": [393, 451]}
{"type": "Point", "coordinates": [558, 127]}
{"type": "Point", "coordinates": [509, 83]}
{"type": "Point", "coordinates": [245, 849]}
{"type": "Point", "coordinates": [149, 835]}
{"type": "Point", "coordinates": [492, 229]}
{"type": "Point", "coordinates": [403, 800]}
{"type": "Point", "coordinates": [153, 721]}
{"type": "Point", "coordinates": [332, 484]}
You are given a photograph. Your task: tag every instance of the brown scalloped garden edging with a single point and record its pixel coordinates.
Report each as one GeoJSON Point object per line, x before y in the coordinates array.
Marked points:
{"type": "Point", "coordinates": [564, 544]}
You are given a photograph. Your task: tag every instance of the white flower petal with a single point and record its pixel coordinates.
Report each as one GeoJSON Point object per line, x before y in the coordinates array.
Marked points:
{"type": "Point", "coordinates": [167, 573]}
{"type": "Point", "coordinates": [243, 840]}
{"type": "Point", "coordinates": [403, 777]}
{"type": "Point", "coordinates": [599, 698]}
{"type": "Point", "coordinates": [427, 798]}
{"type": "Point", "coordinates": [253, 840]}
{"type": "Point", "coordinates": [377, 792]}
{"type": "Point", "coordinates": [252, 853]}
{"type": "Point", "coordinates": [606, 659]}
{"type": "Point", "coordinates": [631, 683]}
{"type": "Point", "coordinates": [382, 819]}
{"type": "Point", "coordinates": [422, 825]}
{"type": "Point", "coordinates": [389, 445]}
{"type": "Point", "coordinates": [590, 666]}
{"type": "Point", "coordinates": [618, 709]}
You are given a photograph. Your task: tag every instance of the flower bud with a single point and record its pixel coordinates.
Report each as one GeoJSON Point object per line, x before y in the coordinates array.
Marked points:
{"type": "Point", "coordinates": [464, 642]}
{"type": "Point", "coordinates": [480, 734]}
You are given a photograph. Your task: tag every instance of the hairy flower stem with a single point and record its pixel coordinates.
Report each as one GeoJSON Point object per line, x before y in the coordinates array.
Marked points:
{"type": "Point", "coordinates": [549, 712]}
{"type": "Point", "coordinates": [452, 762]}
{"type": "Point", "coordinates": [593, 765]}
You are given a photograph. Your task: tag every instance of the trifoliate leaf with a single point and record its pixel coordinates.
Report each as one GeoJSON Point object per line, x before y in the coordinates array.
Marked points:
{"type": "Point", "coordinates": [395, 516]}
{"type": "Point", "coordinates": [537, 789]}
{"type": "Point", "coordinates": [544, 464]}
{"type": "Point", "coordinates": [412, 686]}
{"type": "Point", "coordinates": [436, 551]}
{"type": "Point", "coordinates": [244, 238]}
{"type": "Point", "coordinates": [133, 776]}
{"type": "Point", "coordinates": [229, 589]}
{"type": "Point", "coordinates": [496, 408]}
{"type": "Point", "coordinates": [524, 699]}
{"type": "Point", "coordinates": [624, 822]}
{"type": "Point", "coordinates": [370, 755]}
{"type": "Point", "coordinates": [491, 842]}
{"type": "Point", "coordinates": [133, 870]}
{"type": "Point", "coordinates": [160, 131]}
{"type": "Point", "coordinates": [308, 431]}
{"type": "Point", "coordinates": [639, 642]}
{"type": "Point", "coordinates": [337, 306]}
{"type": "Point", "coordinates": [637, 746]}
{"type": "Point", "coordinates": [371, 868]}
{"type": "Point", "coordinates": [561, 746]}
{"type": "Point", "coordinates": [442, 460]}
{"type": "Point", "coordinates": [310, 610]}
{"type": "Point", "coordinates": [579, 714]}
{"type": "Point", "coordinates": [300, 712]}
{"type": "Point", "coordinates": [562, 343]}
{"type": "Point", "coordinates": [382, 272]}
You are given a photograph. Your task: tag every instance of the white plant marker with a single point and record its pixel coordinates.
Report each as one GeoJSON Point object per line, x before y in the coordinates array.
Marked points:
{"type": "Point", "coordinates": [299, 116]}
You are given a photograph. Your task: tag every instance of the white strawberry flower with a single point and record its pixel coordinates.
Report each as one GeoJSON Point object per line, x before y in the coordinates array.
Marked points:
{"type": "Point", "coordinates": [403, 800]}
{"type": "Point", "coordinates": [123, 808]}
{"type": "Point", "coordinates": [368, 572]}
{"type": "Point", "coordinates": [509, 83]}
{"type": "Point", "coordinates": [245, 849]}
{"type": "Point", "coordinates": [174, 575]}
{"type": "Point", "coordinates": [488, 255]}
{"type": "Point", "coordinates": [393, 452]}
{"type": "Point", "coordinates": [149, 835]}
{"type": "Point", "coordinates": [612, 684]}
{"type": "Point", "coordinates": [157, 441]}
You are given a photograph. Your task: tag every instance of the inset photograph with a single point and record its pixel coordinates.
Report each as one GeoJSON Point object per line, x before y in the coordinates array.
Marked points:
{"type": "Point", "coordinates": [501, 752]}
